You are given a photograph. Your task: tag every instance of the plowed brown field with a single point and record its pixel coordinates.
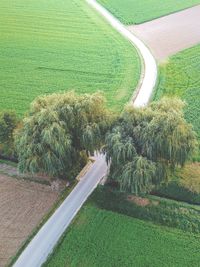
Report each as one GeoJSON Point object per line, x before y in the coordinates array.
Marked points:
{"type": "Point", "coordinates": [168, 35]}
{"type": "Point", "coordinates": [22, 206]}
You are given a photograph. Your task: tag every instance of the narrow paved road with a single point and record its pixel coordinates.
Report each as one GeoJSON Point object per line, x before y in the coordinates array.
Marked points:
{"type": "Point", "coordinates": [43, 243]}
{"type": "Point", "coordinates": [149, 75]}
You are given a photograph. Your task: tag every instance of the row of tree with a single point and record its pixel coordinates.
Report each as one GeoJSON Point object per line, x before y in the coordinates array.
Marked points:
{"type": "Point", "coordinates": [61, 130]}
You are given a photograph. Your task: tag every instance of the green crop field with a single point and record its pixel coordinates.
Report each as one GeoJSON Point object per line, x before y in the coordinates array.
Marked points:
{"type": "Point", "coordinates": [48, 46]}
{"type": "Point", "coordinates": [180, 77]}
{"type": "Point", "coordinates": [103, 238]}
{"type": "Point", "coordinates": [135, 12]}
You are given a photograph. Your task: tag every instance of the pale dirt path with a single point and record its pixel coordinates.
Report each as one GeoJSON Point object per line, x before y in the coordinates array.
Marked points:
{"type": "Point", "coordinates": [170, 34]}
{"type": "Point", "coordinates": [22, 206]}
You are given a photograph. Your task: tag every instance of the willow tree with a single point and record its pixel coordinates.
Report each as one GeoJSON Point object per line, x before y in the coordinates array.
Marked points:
{"type": "Point", "coordinates": [59, 130]}
{"type": "Point", "coordinates": [147, 143]}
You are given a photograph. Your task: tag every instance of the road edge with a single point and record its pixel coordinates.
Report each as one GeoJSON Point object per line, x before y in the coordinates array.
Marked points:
{"type": "Point", "coordinates": [140, 98]}
{"type": "Point", "coordinates": [149, 73]}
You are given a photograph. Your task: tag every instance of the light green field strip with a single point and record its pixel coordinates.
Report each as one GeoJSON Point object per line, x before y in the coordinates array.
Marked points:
{"type": "Point", "coordinates": [136, 12]}
{"type": "Point", "coordinates": [103, 238]}
{"type": "Point", "coordinates": [180, 77]}
{"type": "Point", "coordinates": [48, 46]}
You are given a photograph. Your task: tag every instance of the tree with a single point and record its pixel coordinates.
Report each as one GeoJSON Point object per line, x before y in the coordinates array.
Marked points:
{"type": "Point", "coordinates": [145, 144]}
{"type": "Point", "coordinates": [8, 123]}
{"type": "Point", "coordinates": [59, 130]}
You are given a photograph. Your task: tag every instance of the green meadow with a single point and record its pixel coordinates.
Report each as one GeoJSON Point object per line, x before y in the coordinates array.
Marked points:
{"type": "Point", "coordinates": [104, 238]}
{"type": "Point", "coordinates": [50, 46]}
{"type": "Point", "coordinates": [180, 77]}
{"type": "Point", "coordinates": [136, 12]}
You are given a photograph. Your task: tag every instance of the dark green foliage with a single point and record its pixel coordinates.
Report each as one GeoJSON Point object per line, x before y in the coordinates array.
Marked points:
{"type": "Point", "coordinates": [177, 192]}
{"type": "Point", "coordinates": [160, 211]}
{"type": "Point", "coordinates": [8, 123]}
{"type": "Point", "coordinates": [146, 143]}
{"type": "Point", "coordinates": [59, 130]}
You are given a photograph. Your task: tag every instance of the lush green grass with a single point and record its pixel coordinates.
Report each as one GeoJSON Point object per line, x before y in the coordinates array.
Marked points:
{"type": "Point", "coordinates": [135, 12]}
{"type": "Point", "coordinates": [180, 77]}
{"type": "Point", "coordinates": [103, 238]}
{"type": "Point", "coordinates": [48, 46]}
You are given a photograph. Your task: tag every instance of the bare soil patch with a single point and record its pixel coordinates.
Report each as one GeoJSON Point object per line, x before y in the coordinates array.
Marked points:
{"type": "Point", "coordinates": [141, 201]}
{"type": "Point", "coordinates": [22, 206]}
{"type": "Point", "coordinates": [170, 34]}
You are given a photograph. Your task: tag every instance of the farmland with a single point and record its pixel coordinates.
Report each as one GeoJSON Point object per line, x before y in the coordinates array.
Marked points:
{"type": "Point", "coordinates": [48, 46]}
{"type": "Point", "coordinates": [136, 12]}
{"type": "Point", "coordinates": [23, 204]}
{"type": "Point", "coordinates": [180, 77]}
{"type": "Point", "coordinates": [165, 37]}
{"type": "Point", "coordinates": [56, 46]}
{"type": "Point", "coordinates": [104, 238]}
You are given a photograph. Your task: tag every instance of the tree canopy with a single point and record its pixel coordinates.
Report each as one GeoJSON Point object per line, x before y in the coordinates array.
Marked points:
{"type": "Point", "coordinates": [145, 144]}
{"type": "Point", "coordinates": [8, 123]}
{"type": "Point", "coordinates": [59, 130]}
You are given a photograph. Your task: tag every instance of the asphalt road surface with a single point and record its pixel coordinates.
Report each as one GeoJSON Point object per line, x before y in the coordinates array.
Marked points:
{"type": "Point", "coordinates": [36, 253]}
{"type": "Point", "coordinates": [43, 243]}
{"type": "Point", "coordinates": [149, 72]}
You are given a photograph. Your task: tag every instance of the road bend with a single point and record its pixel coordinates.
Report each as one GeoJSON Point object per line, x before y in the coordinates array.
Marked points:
{"type": "Point", "coordinates": [142, 95]}
{"type": "Point", "coordinates": [37, 251]}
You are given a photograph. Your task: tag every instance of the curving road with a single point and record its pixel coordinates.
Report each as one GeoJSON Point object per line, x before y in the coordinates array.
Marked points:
{"type": "Point", "coordinates": [149, 75]}
{"type": "Point", "coordinates": [36, 253]}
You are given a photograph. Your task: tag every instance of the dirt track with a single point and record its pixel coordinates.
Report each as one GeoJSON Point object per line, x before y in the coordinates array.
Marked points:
{"type": "Point", "coordinates": [170, 34]}
{"type": "Point", "coordinates": [22, 206]}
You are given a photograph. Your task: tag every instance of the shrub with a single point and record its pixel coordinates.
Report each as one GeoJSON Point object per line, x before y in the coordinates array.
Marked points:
{"type": "Point", "coordinates": [8, 123]}
{"type": "Point", "coordinates": [177, 192]}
